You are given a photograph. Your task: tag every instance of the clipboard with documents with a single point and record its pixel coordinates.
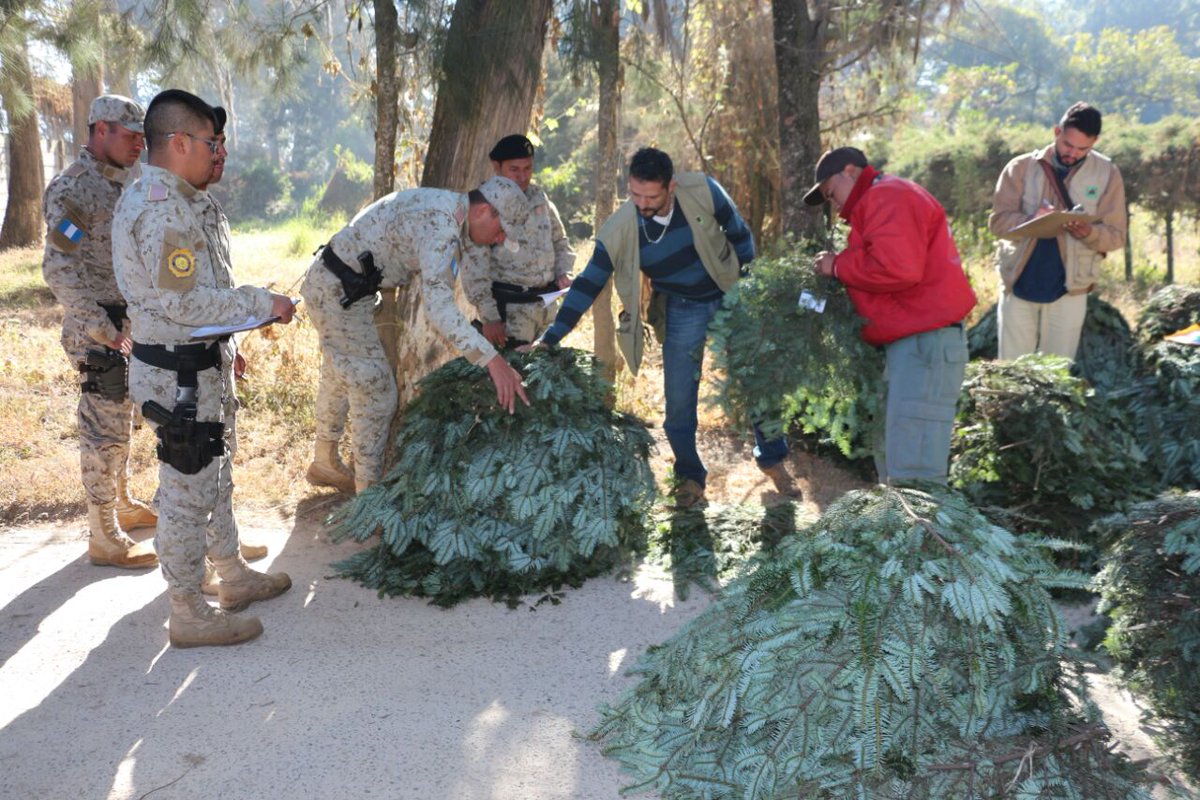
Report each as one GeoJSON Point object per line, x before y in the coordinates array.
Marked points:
{"type": "Point", "coordinates": [1049, 225]}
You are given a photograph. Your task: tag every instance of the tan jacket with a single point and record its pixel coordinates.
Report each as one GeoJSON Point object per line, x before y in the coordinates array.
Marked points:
{"type": "Point", "coordinates": [1095, 184]}
{"type": "Point", "coordinates": [620, 239]}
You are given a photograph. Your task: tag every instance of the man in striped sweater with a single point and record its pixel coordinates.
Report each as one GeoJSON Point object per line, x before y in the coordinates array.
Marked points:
{"type": "Point", "coordinates": [672, 249]}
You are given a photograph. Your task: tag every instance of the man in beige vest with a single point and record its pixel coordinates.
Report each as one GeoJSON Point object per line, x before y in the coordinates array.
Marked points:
{"type": "Point", "coordinates": [1046, 280]}
{"type": "Point", "coordinates": [672, 250]}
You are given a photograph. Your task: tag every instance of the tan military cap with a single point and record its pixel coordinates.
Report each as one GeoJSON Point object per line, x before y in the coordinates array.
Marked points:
{"type": "Point", "coordinates": [119, 109]}
{"type": "Point", "coordinates": [508, 199]}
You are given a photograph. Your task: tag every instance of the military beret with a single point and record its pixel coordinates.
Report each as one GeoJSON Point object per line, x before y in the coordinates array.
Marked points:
{"type": "Point", "coordinates": [514, 146]}
{"type": "Point", "coordinates": [119, 109]}
{"type": "Point", "coordinates": [508, 199]}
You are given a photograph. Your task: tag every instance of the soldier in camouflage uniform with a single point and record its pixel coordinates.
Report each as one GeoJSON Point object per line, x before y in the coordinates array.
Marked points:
{"type": "Point", "coordinates": [172, 266]}
{"type": "Point", "coordinates": [77, 266]}
{"type": "Point", "coordinates": [415, 234]}
{"type": "Point", "coordinates": [505, 289]}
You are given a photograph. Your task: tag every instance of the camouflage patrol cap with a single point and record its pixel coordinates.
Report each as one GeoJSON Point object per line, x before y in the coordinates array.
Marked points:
{"type": "Point", "coordinates": [119, 109]}
{"type": "Point", "coordinates": [508, 199]}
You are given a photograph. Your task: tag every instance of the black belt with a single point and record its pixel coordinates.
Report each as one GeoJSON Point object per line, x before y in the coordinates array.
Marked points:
{"type": "Point", "coordinates": [505, 293]}
{"type": "Point", "coordinates": [186, 359]}
{"type": "Point", "coordinates": [117, 313]}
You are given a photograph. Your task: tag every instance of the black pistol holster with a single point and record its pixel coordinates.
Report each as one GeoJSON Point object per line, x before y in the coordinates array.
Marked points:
{"type": "Point", "coordinates": [505, 293]}
{"type": "Point", "coordinates": [184, 443]}
{"type": "Point", "coordinates": [106, 373]}
{"type": "Point", "coordinates": [355, 285]}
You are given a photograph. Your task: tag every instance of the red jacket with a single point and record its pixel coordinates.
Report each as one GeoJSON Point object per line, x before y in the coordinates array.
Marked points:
{"type": "Point", "coordinates": [900, 265]}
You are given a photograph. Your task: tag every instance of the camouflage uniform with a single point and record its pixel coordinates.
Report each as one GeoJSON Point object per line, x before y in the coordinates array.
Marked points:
{"type": "Point", "coordinates": [543, 256]}
{"type": "Point", "coordinates": [171, 259]}
{"type": "Point", "coordinates": [77, 266]}
{"type": "Point", "coordinates": [419, 232]}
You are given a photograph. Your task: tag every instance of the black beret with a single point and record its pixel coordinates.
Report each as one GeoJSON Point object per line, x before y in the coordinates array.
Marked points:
{"type": "Point", "coordinates": [514, 146]}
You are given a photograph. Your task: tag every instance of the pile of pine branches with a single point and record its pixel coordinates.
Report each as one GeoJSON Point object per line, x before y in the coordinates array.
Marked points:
{"type": "Point", "coordinates": [901, 647]}
{"type": "Point", "coordinates": [482, 503]}
{"type": "Point", "coordinates": [1165, 402]}
{"type": "Point", "coordinates": [1031, 437]}
{"type": "Point", "coordinates": [1150, 587]}
{"type": "Point", "coordinates": [784, 364]}
{"type": "Point", "coordinates": [1106, 357]}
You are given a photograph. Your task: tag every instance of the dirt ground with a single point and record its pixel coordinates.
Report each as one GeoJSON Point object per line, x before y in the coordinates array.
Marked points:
{"type": "Point", "coordinates": [346, 695]}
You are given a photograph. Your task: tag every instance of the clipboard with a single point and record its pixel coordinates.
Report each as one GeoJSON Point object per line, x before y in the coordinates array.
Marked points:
{"type": "Point", "coordinates": [1049, 225]}
{"type": "Point", "coordinates": [214, 331]}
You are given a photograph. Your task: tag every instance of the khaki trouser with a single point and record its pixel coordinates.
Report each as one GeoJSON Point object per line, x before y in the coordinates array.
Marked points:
{"type": "Point", "coordinates": [1053, 328]}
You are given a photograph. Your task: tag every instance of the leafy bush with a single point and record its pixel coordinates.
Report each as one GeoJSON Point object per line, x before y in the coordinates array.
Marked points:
{"type": "Point", "coordinates": [1029, 435]}
{"type": "Point", "coordinates": [486, 503]}
{"type": "Point", "coordinates": [787, 366]}
{"type": "Point", "coordinates": [901, 647]}
{"type": "Point", "coordinates": [349, 188]}
{"type": "Point", "coordinates": [1150, 587]}
{"type": "Point", "coordinates": [261, 191]}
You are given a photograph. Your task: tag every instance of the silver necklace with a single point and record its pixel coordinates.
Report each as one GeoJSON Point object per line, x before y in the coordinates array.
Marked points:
{"type": "Point", "coordinates": [662, 233]}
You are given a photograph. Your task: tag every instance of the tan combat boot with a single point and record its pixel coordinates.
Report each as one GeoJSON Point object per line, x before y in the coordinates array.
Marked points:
{"type": "Point", "coordinates": [327, 468]}
{"type": "Point", "coordinates": [131, 513]}
{"type": "Point", "coordinates": [240, 586]}
{"type": "Point", "coordinates": [250, 552]}
{"type": "Point", "coordinates": [362, 486]}
{"type": "Point", "coordinates": [108, 545]}
{"type": "Point", "coordinates": [194, 623]}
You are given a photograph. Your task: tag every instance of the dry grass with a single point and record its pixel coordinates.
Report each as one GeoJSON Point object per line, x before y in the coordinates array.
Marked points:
{"type": "Point", "coordinates": [39, 461]}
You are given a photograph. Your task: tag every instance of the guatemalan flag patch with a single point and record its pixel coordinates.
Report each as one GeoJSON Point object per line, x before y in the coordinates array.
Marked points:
{"type": "Point", "coordinates": [69, 230]}
{"type": "Point", "coordinates": [67, 235]}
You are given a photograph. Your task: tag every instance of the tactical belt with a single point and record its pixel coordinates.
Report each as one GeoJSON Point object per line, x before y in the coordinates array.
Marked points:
{"type": "Point", "coordinates": [505, 293]}
{"type": "Point", "coordinates": [117, 313]}
{"type": "Point", "coordinates": [185, 359]}
{"type": "Point", "coordinates": [106, 373]}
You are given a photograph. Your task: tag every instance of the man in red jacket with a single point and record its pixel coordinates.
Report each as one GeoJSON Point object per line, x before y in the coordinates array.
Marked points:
{"type": "Point", "coordinates": [902, 271]}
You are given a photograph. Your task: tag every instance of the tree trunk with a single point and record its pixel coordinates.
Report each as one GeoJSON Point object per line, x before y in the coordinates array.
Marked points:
{"type": "Point", "coordinates": [387, 96]}
{"type": "Point", "coordinates": [85, 87]}
{"type": "Point", "coordinates": [490, 74]}
{"type": "Point", "coordinates": [1170, 246]}
{"type": "Point", "coordinates": [1128, 244]}
{"type": "Point", "coordinates": [799, 52]}
{"type": "Point", "coordinates": [608, 167]}
{"type": "Point", "coordinates": [23, 216]}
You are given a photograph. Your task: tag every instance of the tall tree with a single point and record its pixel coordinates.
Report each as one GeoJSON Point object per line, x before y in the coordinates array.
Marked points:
{"type": "Point", "coordinates": [387, 95]}
{"type": "Point", "coordinates": [491, 69]}
{"type": "Point", "coordinates": [818, 38]}
{"type": "Point", "coordinates": [22, 225]}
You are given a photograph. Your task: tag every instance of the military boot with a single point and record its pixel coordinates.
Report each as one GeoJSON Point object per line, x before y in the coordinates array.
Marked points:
{"type": "Point", "coordinates": [194, 623]}
{"type": "Point", "coordinates": [327, 468]}
{"type": "Point", "coordinates": [782, 480]}
{"type": "Point", "coordinates": [108, 545]}
{"type": "Point", "coordinates": [240, 586]}
{"type": "Point", "coordinates": [131, 513]}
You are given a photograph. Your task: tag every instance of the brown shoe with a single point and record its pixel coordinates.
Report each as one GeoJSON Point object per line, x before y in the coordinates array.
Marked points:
{"type": "Point", "coordinates": [132, 513]}
{"type": "Point", "coordinates": [688, 494]}
{"type": "Point", "coordinates": [108, 546]}
{"type": "Point", "coordinates": [253, 552]}
{"type": "Point", "coordinates": [240, 586]}
{"type": "Point", "coordinates": [783, 482]}
{"type": "Point", "coordinates": [194, 623]}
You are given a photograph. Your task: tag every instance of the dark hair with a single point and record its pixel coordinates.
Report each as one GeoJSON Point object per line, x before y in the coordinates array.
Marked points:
{"type": "Point", "coordinates": [649, 164]}
{"type": "Point", "coordinates": [175, 110]}
{"type": "Point", "coordinates": [1083, 117]}
{"type": "Point", "coordinates": [475, 197]}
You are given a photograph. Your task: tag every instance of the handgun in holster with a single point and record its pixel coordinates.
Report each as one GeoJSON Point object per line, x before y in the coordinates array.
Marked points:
{"type": "Point", "coordinates": [106, 373]}
{"type": "Point", "coordinates": [187, 445]}
{"type": "Point", "coordinates": [355, 285]}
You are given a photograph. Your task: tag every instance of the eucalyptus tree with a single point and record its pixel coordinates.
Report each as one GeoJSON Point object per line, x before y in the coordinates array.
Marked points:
{"type": "Point", "coordinates": [22, 225]}
{"type": "Point", "coordinates": [820, 44]}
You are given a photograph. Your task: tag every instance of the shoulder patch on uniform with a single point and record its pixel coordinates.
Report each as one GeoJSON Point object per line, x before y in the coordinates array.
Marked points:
{"type": "Point", "coordinates": [177, 269]}
{"type": "Point", "coordinates": [67, 234]}
{"type": "Point", "coordinates": [459, 214]}
{"type": "Point", "coordinates": [157, 192]}
{"type": "Point", "coordinates": [77, 168]}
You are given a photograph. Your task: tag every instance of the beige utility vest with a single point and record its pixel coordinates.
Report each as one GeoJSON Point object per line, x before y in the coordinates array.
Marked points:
{"type": "Point", "coordinates": [1086, 186]}
{"type": "Point", "coordinates": [620, 239]}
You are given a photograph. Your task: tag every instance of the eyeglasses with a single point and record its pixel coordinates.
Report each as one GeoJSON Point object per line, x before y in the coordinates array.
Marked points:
{"type": "Point", "coordinates": [213, 143]}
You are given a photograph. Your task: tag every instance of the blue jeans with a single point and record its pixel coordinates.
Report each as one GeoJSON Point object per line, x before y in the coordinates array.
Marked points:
{"type": "Point", "coordinates": [683, 351]}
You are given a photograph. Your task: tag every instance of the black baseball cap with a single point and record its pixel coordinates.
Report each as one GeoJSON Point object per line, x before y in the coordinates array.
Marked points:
{"type": "Point", "coordinates": [829, 164]}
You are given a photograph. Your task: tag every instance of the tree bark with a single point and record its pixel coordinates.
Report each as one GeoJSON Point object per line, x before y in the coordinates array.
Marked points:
{"type": "Point", "coordinates": [490, 74]}
{"type": "Point", "coordinates": [608, 166]}
{"type": "Point", "coordinates": [23, 223]}
{"type": "Point", "coordinates": [85, 87]}
{"type": "Point", "coordinates": [1170, 217]}
{"type": "Point", "coordinates": [387, 96]}
{"type": "Point", "coordinates": [799, 54]}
